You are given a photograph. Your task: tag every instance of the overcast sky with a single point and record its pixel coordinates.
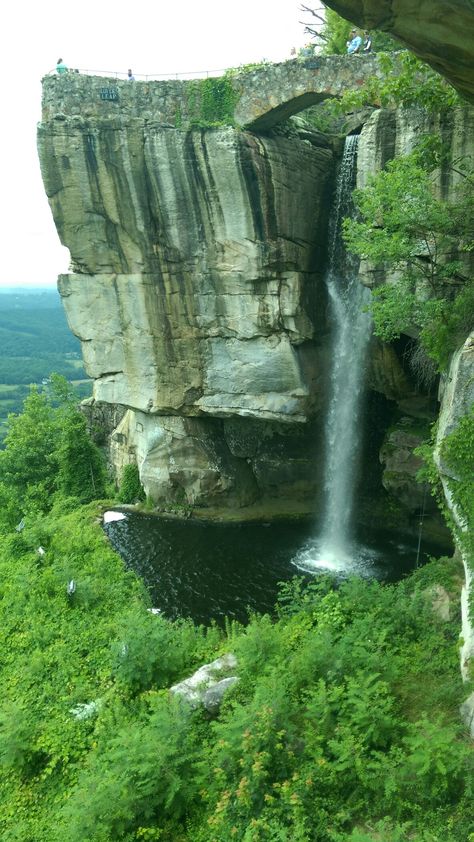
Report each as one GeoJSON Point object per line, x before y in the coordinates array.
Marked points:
{"type": "Point", "coordinates": [151, 38]}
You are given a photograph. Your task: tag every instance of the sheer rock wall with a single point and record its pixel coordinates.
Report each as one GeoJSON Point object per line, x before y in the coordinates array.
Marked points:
{"type": "Point", "coordinates": [387, 134]}
{"type": "Point", "coordinates": [196, 289]}
{"type": "Point", "coordinates": [384, 136]}
{"type": "Point", "coordinates": [457, 392]}
{"type": "Point", "coordinates": [196, 292]}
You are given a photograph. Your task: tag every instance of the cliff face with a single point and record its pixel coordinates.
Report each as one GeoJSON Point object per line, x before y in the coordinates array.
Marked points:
{"type": "Point", "coordinates": [195, 251]}
{"type": "Point", "coordinates": [388, 134]}
{"type": "Point", "coordinates": [196, 293]}
{"type": "Point", "coordinates": [197, 290]}
{"type": "Point", "coordinates": [457, 401]}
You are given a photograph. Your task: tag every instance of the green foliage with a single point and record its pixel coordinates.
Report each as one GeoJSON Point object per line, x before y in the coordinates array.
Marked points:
{"type": "Point", "coordinates": [16, 743]}
{"type": "Point", "coordinates": [298, 754]}
{"type": "Point", "coordinates": [131, 489]}
{"type": "Point", "coordinates": [30, 442]}
{"type": "Point", "coordinates": [343, 703]}
{"type": "Point", "coordinates": [432, 758]}
{"type": "Point", "coordinates": [403, 226]}
{"type": "Point", "coordinates": [55, 655]}
{"type": "Point", "coordinates": [457, 453]}
{"type": "Point", "coordinates": [336, 32]}
{"type": "Point", "coordinates": [218, 99]}
{"type": "Point", "coordinates": [406, 81]}
{"type": "Point", "coordinates": [151, 652]}
{"type": "Point", "coordinates": [212, 102]}
{"type": "Point", "coordinates": [142, 776]}
{"type": "Point", "coordinates": [245, 68]}
{"type": "Point", "coordinates": [47, 452]}
{"type": "Point", "coordinates": [81, 470]}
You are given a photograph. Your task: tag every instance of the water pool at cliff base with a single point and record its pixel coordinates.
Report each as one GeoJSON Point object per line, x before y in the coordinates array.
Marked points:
{"type": "Point", "coordinates": [208, 571]}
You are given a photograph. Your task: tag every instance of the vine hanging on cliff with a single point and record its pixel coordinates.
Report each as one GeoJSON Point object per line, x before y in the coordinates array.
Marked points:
{"type": "Point", "coordinates": [212, 102]}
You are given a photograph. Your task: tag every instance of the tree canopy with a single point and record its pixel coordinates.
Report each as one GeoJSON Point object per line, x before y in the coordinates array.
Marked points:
{"type": "Point", "coordinates": [404, 227]}
{"type": "Point", "coordinates": [48, 452]}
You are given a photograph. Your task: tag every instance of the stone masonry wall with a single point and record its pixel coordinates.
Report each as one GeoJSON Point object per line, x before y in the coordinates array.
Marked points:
{"type": "Point", "coordinates": [264, 95]}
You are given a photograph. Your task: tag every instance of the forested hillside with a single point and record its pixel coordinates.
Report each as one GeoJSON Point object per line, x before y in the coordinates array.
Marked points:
{"type": "Point", "coordinates": [35, 340]}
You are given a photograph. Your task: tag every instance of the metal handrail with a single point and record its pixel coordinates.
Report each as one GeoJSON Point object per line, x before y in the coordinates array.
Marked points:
{"type": "Point", "coordinates": [145, 77]}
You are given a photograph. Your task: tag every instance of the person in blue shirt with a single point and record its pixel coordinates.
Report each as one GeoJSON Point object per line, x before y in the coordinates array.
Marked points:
{"type": "Point", "coordinates": [355, 43]}
{"type": "Point", "coordinates": [61, 67]}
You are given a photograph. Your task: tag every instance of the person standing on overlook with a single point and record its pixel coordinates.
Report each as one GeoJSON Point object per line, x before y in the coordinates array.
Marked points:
{"type": "Point", "coordinates": [130, 76]}
{"type": "Point", "coordinates": [355, 43]}
{"type": "Point", "coordinates": [61, 67]}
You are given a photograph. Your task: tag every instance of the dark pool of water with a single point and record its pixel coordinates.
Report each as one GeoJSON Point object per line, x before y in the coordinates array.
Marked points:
{"type": "Point", "coordinates": [209, 571]}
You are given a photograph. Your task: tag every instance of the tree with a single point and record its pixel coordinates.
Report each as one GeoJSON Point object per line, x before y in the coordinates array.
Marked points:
{"type": "Point", "coordinates": [48, 452]}
{"type": "Point", "coordinates": [81, 471]}
{"type": "Point", "coordinates": [29, 446]}
{"type": "Point", "coordinates": [131, 488]}
{"type": "Point", "coordinates": [80, 465]}
{"type": "Point", "coordinates": [333, 31]}
{"type": "Point", "coordinates": [336, 33]}
{"type": "Point", "coordinates": [404, 227]}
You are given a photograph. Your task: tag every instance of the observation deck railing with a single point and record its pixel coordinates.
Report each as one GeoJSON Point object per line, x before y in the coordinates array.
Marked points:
{"type": "Point", "coordinates": [142, 77]}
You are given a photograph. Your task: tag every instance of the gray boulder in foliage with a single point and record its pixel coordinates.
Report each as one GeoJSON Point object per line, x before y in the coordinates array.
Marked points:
{"type": "Point", "coordinates": [207, 686]}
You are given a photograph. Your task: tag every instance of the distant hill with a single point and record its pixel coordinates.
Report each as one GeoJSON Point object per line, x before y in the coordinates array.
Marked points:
{"type": "Point", "coordinates": [35, 340]}
{"type": "Point", "coordinates": [34, 336]}
{"type": "Point", "coordinates": [20, 291]}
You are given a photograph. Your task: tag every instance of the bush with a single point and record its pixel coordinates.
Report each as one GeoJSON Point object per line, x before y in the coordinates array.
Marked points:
{"type": "Point", "coordinates": [131, 489]}
{"type": "Point", "coordinates": [152, 652]}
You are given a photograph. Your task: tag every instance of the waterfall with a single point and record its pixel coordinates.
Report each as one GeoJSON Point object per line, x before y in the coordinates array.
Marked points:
{"type": "Point", "coordinates": [350, 335]}
{"type": "Point", "coordinates": [350, 331]}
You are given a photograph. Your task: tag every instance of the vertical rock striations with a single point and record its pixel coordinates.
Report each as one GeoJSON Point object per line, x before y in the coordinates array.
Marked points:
{"type": "Point", "coordinates": [388, 134]}
{"type": "Point", "coordinates": [195, 290]}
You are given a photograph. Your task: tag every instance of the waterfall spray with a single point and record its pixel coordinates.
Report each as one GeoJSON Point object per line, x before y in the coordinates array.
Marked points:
{"type": "Point", "coordinates": [350, 332]}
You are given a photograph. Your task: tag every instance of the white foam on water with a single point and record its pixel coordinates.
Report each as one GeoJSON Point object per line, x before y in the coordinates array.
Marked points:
{"type": "Point", "coordinates": [109, 517]}
{"type": "Point", "coordinates": [354, 559]}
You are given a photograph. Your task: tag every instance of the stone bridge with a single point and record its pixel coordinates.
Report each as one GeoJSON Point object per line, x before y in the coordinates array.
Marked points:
{"type": "Point", "coordinates": [273, 93]}
{"type": "Point", "coordinates": [259, 98]}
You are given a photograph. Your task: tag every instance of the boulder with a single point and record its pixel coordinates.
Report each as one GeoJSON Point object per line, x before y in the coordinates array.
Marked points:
{"type": "Point", "coordinates": [207, 686]}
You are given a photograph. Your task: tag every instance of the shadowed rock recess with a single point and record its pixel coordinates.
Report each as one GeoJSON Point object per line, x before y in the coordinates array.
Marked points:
{"type": "Point", "coordinates": [197, 280]}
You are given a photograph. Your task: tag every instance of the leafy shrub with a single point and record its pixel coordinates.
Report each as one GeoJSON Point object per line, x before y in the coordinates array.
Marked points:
{"type": "Point", "coordinates": [143, 775]}
{"type": "Point", "coordinates": [17, 740]}
{"type": "Point", "coordinates": [131, 489]}
{"type": "Point", "coordinates": [152, 652]}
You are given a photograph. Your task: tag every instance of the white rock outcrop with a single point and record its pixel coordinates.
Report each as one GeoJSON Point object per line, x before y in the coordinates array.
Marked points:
{"type": "Point", "coordinates": [206, 687]}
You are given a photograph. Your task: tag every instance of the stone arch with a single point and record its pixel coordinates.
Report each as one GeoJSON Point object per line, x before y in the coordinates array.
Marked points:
{"type": "Point", "coordinates": [272, 93]}
{"type": "Point", "coordinates": [286, 109]}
